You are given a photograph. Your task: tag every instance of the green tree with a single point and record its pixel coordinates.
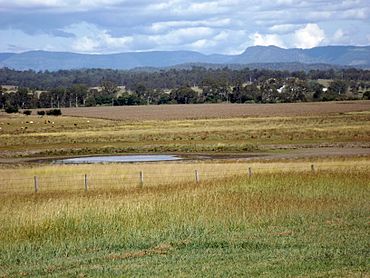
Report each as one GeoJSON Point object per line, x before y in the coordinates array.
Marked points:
{"type": "Point", "coordinates": [184, 95]}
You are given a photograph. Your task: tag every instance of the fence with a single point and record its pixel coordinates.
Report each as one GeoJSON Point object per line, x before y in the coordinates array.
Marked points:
{"type": "Point", "coordinates": [88, 182]}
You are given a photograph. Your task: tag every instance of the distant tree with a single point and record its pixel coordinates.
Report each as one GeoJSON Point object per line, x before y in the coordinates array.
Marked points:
{"type": "Point", "coordinates": [163, 98]}
{"type": "Point", "coordinates": [269, 92]}
{"type": "Point", "coordinates": [9, 108]}
{"type": "Point", "coordinates": [77, 94]}
{"type": "Point", "coordinates": [316, 89]}
{"type": "Point", "coordinates": [90, 101]}
{"type": "Point", "coordinates": [184, 95]}
{"type": "Point", "coordinates": [243, 94]}
{"type": "Point", "coordinates": [128, 99]}
{"type": "Point", "coordinates": [366, 95]}
{"type": "Point", "coordinates": [2, 98]}
{"type": "Point", "coordinates": [294, 90]}
{"type": "Point", "coordinates": [338, 87]}
{"type": "Point", "coordinates": [109, 88]}
{"type": "Point", "coordinates": [44, 100]}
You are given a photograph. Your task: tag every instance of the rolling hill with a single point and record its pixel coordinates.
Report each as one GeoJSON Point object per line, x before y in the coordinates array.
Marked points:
{"type": "Point", "coordinates": [354, 56]}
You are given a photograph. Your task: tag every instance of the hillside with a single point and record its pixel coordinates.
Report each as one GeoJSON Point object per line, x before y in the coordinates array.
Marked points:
{"type": "Point", "coordinates": [353, 56]}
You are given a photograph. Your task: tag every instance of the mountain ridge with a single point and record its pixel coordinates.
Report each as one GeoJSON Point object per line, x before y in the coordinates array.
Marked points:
{"type": "Point", "coordinates": [38, 60]}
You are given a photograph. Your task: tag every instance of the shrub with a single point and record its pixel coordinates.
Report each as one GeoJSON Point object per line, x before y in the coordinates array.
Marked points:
{"type": "Point", "coordinates": [27, 112]}
{"type": "Point", "coordinates": [366, 95]}
{"type": "Point", "coordinates": [11, 108]}
{"type": "Point", "coordinates": [54, 112]}
{"type": "Point", "coordinates": [41, 113]}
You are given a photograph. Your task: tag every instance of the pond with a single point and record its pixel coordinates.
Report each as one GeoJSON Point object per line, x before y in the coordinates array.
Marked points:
{"type": "Point", "coordinates": [118, 159]}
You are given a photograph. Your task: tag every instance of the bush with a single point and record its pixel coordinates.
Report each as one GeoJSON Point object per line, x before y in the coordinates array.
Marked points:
{"type": "Point", "coordinates": [11, 108]}
{"type": "Point", "coordinates": [27, 112]}
{"type": "Point", "coordinates": [366, 95]}
{"type": "Point", "coordinates": [41, 113]}
{"type": "Point", "coordinates": [54, 112]}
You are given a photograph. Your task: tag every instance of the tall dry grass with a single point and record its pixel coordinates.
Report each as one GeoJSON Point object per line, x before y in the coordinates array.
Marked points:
{"type": "Point", "coordinates": [271, 224]}
{"type": "Point", "coordinates": [123, 176]}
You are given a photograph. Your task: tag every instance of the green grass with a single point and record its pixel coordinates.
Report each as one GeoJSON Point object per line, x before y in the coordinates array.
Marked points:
{"type": "Point", "coordinates": [270, 225]}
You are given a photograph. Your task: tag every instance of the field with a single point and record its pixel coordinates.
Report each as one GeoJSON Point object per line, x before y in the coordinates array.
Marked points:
{"type": "Point", "coordinates": [208, 111]}
{"type": "Point", "coordinates": [291, 224]}
{"type": "Point", "coordinates": [282, 219]}
{"type": "Point", "coordinates": [34, 137]}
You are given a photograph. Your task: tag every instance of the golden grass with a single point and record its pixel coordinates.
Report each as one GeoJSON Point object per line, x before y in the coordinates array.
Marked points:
{"type": "Point", "coordinates": [272, 223]}
{"type": "Point", "coordinates": [283, 220]}
{"type": "Point", "coordinates": [125, 176]}
{"type": "Point", "coordinates": [75, 136]}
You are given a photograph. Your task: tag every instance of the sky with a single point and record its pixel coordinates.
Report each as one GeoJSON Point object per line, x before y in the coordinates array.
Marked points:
{"type": "Point", "coordinates": [206, 26]}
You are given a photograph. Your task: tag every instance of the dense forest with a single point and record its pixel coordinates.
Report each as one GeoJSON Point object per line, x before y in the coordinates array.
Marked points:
{"type": "Point", "coordinates": [93, 87]}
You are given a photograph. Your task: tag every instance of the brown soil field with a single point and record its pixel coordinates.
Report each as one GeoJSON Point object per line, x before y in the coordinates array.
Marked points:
{"type": "Point", "coordinates": [205, 111]}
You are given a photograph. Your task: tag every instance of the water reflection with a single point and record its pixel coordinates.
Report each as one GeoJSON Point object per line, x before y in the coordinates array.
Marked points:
{"type": "Point", "coordinates": [118, 159]}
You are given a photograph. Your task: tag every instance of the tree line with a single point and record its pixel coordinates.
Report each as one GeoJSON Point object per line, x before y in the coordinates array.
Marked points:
{"type": "Point", "coordinates": [198, 85]}
{"type": "Point", "coordinates": [164, 79]}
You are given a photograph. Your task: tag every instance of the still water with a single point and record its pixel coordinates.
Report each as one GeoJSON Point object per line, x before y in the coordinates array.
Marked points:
{"type": "Point", "coordinates": [118, 159]}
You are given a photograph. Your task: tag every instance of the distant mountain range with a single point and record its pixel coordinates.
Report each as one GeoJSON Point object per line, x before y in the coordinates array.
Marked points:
{"type": "Point", "coordinates": [257, 56]}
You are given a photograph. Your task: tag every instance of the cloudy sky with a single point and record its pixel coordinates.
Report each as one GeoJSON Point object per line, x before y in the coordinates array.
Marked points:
{"type": "Point", "coordinates": [207, 26]}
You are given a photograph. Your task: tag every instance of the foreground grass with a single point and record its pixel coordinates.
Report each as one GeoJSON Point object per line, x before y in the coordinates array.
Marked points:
{"type": "Point", "coordinates": [273, 224]}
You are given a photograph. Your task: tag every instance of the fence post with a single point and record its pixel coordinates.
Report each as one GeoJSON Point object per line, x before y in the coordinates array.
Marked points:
{"type": "Point", "coordinates": [249, 171]}
{"type": "Point", "coordinates": [196, 176]}
{"type": "Point", "coordinates": [85, 182]}
{"type": "Point", "coordinates": [141, 178]}
{"type": "Point", "coordinates": [36, 184]}
{"type": "Point", "coordinates": [312, 168]}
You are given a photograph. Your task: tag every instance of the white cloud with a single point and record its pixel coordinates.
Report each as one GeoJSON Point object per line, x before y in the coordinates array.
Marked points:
{"type": "Point", "coordinates": [209, 26]}
{"type": "Point", "coordinates": [339, 34]}
{"type": "Point", "coordinates": [163, 26]}
{"type": "Point", "coordinates": [89, 38]}
{"type": "Point", "coordinates": [282, 28]}
{"type": "Point", "coordinates": [362, 13]}
{"type": "Point", "coordinates": [31, 3]}
{"type": "Point", "coordinates": [18, 41]}
{"type": "Point", "coordinates": [85, 44]}
{"type": "Point", "coordinates": [309, 36]}
{"type": "Point", "coordinates": [183, 35]}
{"type": "Point", "coordinates": [191, 8]}
{"type": "Point", "coordinates": [266, 40]}
{"type": "Point", "coordinates": [340, 37]}
{"type": "Point", "coordinates": [57, 3]}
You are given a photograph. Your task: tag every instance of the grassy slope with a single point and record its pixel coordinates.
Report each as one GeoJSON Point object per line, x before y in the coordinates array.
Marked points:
{"type": "Point", "coordinates": [270, 225]}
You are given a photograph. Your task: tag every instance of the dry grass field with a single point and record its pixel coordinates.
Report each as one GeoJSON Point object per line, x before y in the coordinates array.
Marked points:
{"type": "Point", "coordinates": [272, 224]}
{"type": "Point", "coordinates": [284, 220]}
{"type": "Point", "coordinates": [126, 176]}
{"type": "Point", "coordinates": [207, 111]}
{"type": "Point", "coordinates": [32, 136]}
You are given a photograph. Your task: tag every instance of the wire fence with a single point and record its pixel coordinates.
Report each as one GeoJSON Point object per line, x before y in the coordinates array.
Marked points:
{"type": "Point", "coordinates": [90, 182]}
